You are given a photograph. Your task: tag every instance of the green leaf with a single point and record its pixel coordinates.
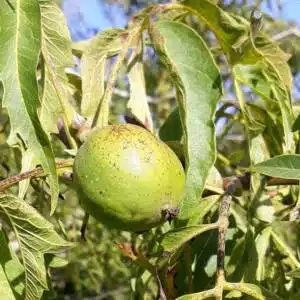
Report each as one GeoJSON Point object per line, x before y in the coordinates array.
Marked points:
{"type": "Point", "coordinates": [204, 207]}
{"type": "Point", "coordinates": [282, 166]}
{"type": "Point", "coordinates": [232, 31]}
{"type": "Point", "coordinates": [264, 79]}
{"type": "Point", "coordinates": [294, 273]}
{"type": "Point", "coordinates": [57, 56]}
{"type": "Point", "coordinates": [14, 270]}
{"type": "Point", "coordinates": [36, 236]}
{"type": "Point", "coordinates": [198, 296]}
{"type": "Point", "coordinates": [246, 46]}
{"type": "Point", "coordinates": [19, 53]}
{"type": "Point", "coordinates": [5, 289]}
{"type": "Point", "coordinates": [262, 243]}
{"type": "Point", "coordinates": [95, 53]}
{"type": "Point", "coordinates": [138, 102]}
{"type": "Point", "coordinates": [198, 84]}
{"type": "Point", "coordinates": [174, 239]}
{"type": "Point", "coordinates": [252, 290]}
{"type": "Point", "coordinates": [285, 235]}
{"type": "Point", "coordinates": [171, 130]}
{"type": "Point", "coordinates": [296, 125]}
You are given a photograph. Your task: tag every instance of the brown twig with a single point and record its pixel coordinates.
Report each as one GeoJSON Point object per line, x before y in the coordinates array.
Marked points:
{"type": "Point", "coordinates": [224, 213]}
{"type": "Point", "coordinates": [37, 172]}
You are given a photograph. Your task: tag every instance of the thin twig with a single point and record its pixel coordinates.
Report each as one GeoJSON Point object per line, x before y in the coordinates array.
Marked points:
{"type": "Point", "coordinates": [37, 172]}
{"type": "Point", "coordinates": [224, 213]}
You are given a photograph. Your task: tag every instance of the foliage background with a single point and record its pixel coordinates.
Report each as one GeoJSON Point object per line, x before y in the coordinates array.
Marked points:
{"type": "Point", "coordinates": [97, 269]}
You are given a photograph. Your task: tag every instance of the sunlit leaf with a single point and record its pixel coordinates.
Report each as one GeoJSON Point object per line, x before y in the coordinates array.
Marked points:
{"type": "Point", "coordinates": [138, 102]}
{"type": "Point", "coordinates": [262, 243]}
{"type": "Point", "coordinates": [19, 53]}
{"type": "Point", "coordinates": [36, 236]}
{"type": "Point", "coordinates": [174, 239]}
{"type": "Point", "coordinates": [282, 166]}
{"type": "Point", "coordinates": [252, 290]}
{"type": "Point", "coordinates": [57, 56]}
{"type": "Point", "coordinates": [294, 273]}
{"type": "Point", "coordinates": [5, 289]}
{"type": "Point", "coordinates": [198, 84]}
{"type": "Point", "coordinates": [93, 61]}
{"type": "Point", "coordinates": [14, 270]}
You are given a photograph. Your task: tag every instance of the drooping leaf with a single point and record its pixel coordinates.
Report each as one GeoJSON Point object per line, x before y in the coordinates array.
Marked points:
{"type": "Point", "coordinates": [198, 84]}
{"type": "Point", "coordinates": [138, 102]}
{"type": "Point", "coordinates": [36, 236]}
{"type": "Point", "coordinates": [57, 56]}
{"type": "Point", "coordinates": [19, 53]}
{"type": "Point", "coordinates": [174, 239]}
{"type": "Point", "coordinates": [282, 166]}
{"type": "Point", "coordinates": [93, 61]}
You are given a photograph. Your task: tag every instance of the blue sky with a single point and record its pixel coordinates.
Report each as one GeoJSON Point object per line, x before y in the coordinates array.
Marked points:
{"type": "Point", "coordinates": [96, 15]}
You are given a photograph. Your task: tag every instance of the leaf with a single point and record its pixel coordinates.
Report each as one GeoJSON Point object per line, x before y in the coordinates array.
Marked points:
{"type": "Point", "coordinates": [174, 239]}
{"type": "Point", "coordinates": [296, 124]}
{"type": "Point", "coordinates": [214, 181]}
{"type": "Point", "coordinates": [138, 102]}
{"type": "Point", "coordinates": [5, 289]}
{"type": "Point", "coordinates": [232, 31]}
{"type": "Point", "coordinates": [282, 166]}
{"type": "Point", "coordinates": [252, 290]}
{"type": "Point", "coordinates": [266, 82]}
{"type": "Point", "coordinates": [36, 236]}
{"type": "Point", "coordinates": [246, 46]}
{"type": "Point", "coordinates": [14, 270]}
{"type": "Point", "coordinates": [198, 296]}
{"type": "Point", "coordinates": [19, 53]}
{"type": "Point", "coordinates": [171, 130]}
{"type": "Point", "coordinates": [286, 237]}
{"type": "Point", "coordinates": [198, 84]}
{"type": "Point", "coordinates": [93, 61]}
{"type": "Point", "coordinates": [262, 243]}
{"type": "Point", "coordinates": [57, 56]}
{"type": "Point", "coordinates": [204, 207]}
{"type": "Point", "coordinates": [294, 273]}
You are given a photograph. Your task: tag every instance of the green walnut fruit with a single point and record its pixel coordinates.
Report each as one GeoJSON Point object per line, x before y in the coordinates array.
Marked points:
{"type": "Point", "coordinates": [128, 179]}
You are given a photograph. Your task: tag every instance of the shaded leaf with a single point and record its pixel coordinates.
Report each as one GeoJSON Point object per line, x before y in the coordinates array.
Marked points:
{"type": "Point", "coordinates": [57, 56]}
{"type": "Point", "coordinates": [282, 166]}
{"type": "Point", "coordinates": [198, 84]}
{"type": "Point", "coordinates": [286, 237]}
{"type": "Point", "coordinates": [174, 239]}
{"type": "Point", "coordinates": [19, 53]}
{"type": "Point", "coordinates": [36, 236]}
{"type": "Point", "coordinates": [138, 102]}
{"type": "Point", "coordinates": [171, 130]}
